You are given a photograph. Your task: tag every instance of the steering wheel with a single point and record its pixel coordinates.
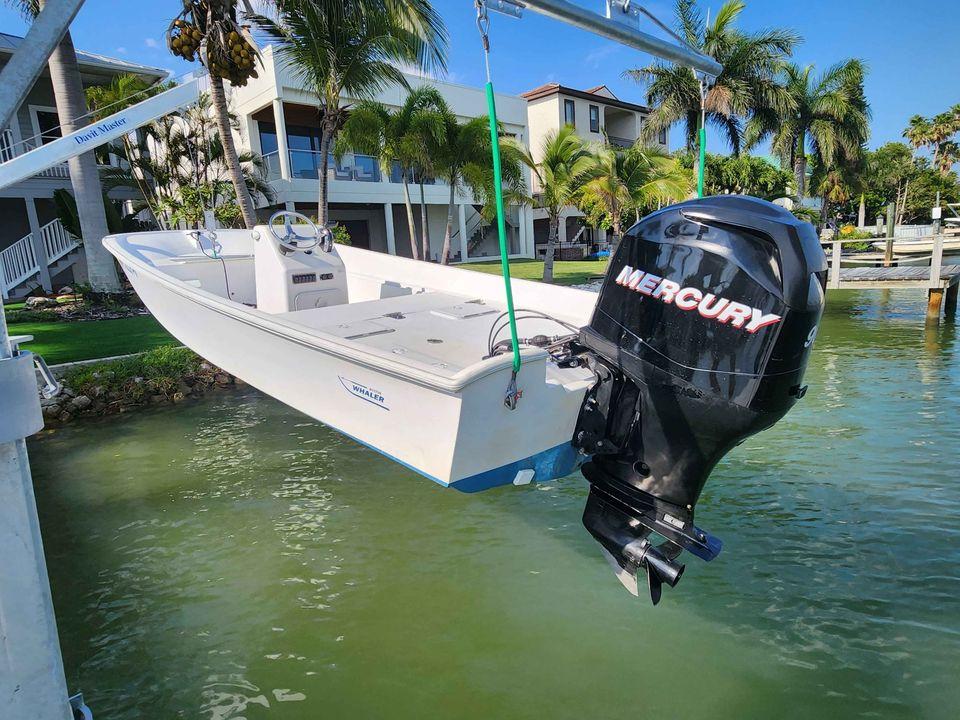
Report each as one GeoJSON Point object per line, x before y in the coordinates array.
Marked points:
{"type": "Point", "coordinates": [291, 241]}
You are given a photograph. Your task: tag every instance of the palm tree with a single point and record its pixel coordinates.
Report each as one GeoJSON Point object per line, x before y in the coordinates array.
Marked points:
{"type": "Point", "coordinates": [353, 47]}
{"type": "Point", "coordinates": [560, 172]}
{"type": "Point", "coordinates": [621, 181]}
{"type": "Point", "coordinates": [948, 155]}
{"type": "Point", "coordinates": [463, 159]}
{"type": "Point", "coordinates": [394, 136]}
{"type": "Point", "coordinates": [829, 119]}
{"type": "Point", "coordinates": [836, 184]}
{"type": "Point", "coordinates": [84, 177]}
{"type": "Point", "coordinates": [122, 92]}
{"type": "Point", "coordinates": [744, 87]}
{"type": "Point", "coordinates": [208, 30]}
{"type": "Point", "coordinates": [937, 133]}
{"type": "Point", "coordinates": [919, 132]}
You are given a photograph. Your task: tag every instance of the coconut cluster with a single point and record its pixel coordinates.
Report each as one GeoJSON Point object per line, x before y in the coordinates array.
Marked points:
{"type": "Point", "coordinates": [206, 29]}
{"type": "Point", "coordinates": [232, 58]}
{"type": "Point", "coordinates": [184, 39]}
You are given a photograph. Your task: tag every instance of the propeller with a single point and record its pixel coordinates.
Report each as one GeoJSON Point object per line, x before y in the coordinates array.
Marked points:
{"type": "Point", "coordinates": [642, 554]}
{"type": "Point", "coordinates": [625, 544]}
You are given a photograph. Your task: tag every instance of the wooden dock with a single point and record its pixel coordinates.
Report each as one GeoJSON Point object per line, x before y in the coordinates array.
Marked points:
{"type": "Point", "coordinates": [941, 281]}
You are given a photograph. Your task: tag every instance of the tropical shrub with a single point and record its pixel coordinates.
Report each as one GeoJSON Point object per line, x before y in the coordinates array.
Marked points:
{"type": "Point", "coordinates": [341, 236]}
{"type": "Point", "coordinates": [741, 175]}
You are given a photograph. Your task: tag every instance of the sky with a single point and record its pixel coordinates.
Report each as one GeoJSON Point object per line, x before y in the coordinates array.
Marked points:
{"type": "Point", "coordinates": [911, 48]}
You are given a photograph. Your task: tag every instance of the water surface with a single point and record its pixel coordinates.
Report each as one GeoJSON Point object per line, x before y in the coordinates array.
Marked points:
{"type": "Point", "coordinates": [232, 559]}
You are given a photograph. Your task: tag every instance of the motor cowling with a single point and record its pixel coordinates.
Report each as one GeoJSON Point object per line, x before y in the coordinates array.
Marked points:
{"type": "Point", "coordinates": [700, 338]}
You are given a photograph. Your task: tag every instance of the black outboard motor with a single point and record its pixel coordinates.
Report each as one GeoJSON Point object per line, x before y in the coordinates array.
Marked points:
{"type": "Point", "coordinates": [700, 338]}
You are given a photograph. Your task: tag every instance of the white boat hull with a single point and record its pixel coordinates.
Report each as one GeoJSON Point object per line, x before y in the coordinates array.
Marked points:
{"type": "Point", "coordinates": [454, 429]}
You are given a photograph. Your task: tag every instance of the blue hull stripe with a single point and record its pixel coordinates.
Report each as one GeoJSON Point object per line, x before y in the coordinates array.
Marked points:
{"type": "Point", "coordinates": [557, 462]}
{"type": "Point", "coordinates": [550, 464]}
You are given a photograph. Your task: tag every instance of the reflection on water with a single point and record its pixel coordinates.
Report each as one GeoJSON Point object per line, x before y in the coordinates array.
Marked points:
{"type": "Point", "coordinates": [231, 559]}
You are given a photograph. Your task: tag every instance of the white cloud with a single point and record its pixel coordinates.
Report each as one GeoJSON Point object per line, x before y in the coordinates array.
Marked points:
{"type": "Point", "coordinates": [121, 51]}
{"type": "Point", "coordinates": [151, 43]}
{"type": "Point", "coordinates": [596, 57]}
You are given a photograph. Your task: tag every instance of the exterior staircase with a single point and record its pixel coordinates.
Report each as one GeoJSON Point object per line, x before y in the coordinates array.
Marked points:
{"type": "Point", "coordinates": [477, 228]}
{"type": "Point", "coordinates": [474, 227]}
{"type": "Point", "coordinates": [19, 265]}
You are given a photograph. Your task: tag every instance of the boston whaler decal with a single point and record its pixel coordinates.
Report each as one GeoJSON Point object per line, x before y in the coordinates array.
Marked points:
{"type": "Point", "coordinates": [709, 305]}
{"type": "Point", "coordinates": [364, 392]}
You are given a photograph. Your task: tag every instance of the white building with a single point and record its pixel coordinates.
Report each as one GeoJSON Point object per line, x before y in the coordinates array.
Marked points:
{"type": "Point", "coordinates": [279, 120]}
{"type": "Point", "coordinates": [35, 250]}
{"type": "Point", "coordinates": [598, 116]}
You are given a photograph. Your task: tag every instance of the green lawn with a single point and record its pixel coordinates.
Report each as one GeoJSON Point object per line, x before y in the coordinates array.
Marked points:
{"type": "Point", "coordinates": [565, 272]}
{"type": "Point", "coordinates": [60, 342]}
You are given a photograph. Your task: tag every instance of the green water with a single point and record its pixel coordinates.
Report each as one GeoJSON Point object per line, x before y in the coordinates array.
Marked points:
{"type": "Point", "coordinates": [231, 559]}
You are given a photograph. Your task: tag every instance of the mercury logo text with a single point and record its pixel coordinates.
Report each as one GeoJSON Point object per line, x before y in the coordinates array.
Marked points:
{"type": "Point", "coordinates": [720, 309]}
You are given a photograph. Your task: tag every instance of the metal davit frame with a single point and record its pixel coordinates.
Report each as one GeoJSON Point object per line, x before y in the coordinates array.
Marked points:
{"type": "Point", "coordinates": [618, 25]}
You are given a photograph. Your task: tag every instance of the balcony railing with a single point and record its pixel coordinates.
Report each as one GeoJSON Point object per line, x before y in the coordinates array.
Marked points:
{"type": "Point", "coordinates": [621, 142]}
{"type": "Point", "coordinates": [305, 165]}
{"type": "Point", "coordinates": [271, 165]}
{"type": "Point", "coordinates": [9, 149]}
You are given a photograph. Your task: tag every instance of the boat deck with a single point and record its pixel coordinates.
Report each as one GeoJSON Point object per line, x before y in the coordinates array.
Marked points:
{"type": "Point", "coordinates": [439, 332]}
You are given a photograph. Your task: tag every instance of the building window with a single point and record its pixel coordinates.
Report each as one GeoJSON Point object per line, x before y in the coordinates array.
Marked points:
{"type": "Point", "coordinates": [268, 138]}
{"type": "Point", "coordinates": [663, 137]}
{"type": "Point", "coordinates": [569, 113]}
{"type": "Point", "coordinates": [594, 119]}
{"type": "Point", "coordinates": [47, 125]}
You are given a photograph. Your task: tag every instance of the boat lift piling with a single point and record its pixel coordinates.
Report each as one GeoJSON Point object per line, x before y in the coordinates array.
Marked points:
{"type": "Point", "coordinates": [32, 681]}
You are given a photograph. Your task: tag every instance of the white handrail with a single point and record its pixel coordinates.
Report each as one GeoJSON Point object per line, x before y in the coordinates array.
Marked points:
{"type": "Point", "coordinates": [56, 240]}
{"type": "Point", "coordinates": [17, 263]}
{"type": "Point", "coordinates": [835, 258]}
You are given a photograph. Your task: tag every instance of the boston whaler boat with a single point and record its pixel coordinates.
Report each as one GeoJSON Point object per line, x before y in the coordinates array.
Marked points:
{"type": "Point", "coordinates": [698, 338]}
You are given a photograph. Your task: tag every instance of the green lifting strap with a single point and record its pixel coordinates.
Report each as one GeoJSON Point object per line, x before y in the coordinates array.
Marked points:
{"type": "Point", "coordinates": [501, 224]}
{"type": "Point", "coordinates": [702, 161]}
{"type": "Point", "coordinates": [702, 135]}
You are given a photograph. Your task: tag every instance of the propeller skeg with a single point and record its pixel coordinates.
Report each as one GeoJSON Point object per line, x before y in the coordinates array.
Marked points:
{"type": "Point", "coordinates": [625, 543]}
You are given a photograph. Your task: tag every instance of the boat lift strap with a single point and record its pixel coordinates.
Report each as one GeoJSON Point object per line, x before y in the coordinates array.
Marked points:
{"type": "Point", "coordinates": [483, 24]}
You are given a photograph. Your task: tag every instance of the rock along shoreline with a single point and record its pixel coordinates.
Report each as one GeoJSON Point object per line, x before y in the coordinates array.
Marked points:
{"type": "Point", "coordinates": [167, 375]}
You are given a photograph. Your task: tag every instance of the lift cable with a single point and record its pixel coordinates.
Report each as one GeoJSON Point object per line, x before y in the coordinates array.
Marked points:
{"type": "Point", "coordinates": [512, 395]}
